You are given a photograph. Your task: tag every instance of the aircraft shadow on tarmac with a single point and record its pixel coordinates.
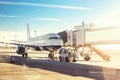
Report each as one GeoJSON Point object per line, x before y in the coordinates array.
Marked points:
{"type": "Point", "coordinates": [91, 61]}
{"type": "Point", "coordinates": [72, 69]}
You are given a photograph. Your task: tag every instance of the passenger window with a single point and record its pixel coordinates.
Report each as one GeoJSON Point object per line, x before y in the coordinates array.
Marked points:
{"type": "Point", "coordinates": [53, 38]}
{"type": "Point", "coordinates": [50, 37]}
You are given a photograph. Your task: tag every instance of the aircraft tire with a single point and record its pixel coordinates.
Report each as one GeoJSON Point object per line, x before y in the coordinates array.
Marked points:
{"type": "Point", "coordinates": [60, 58]}
{"type": "Point", "coordinates": [49, 55]}
{"type": "Point", "coordinates": [67, 59]}
{"type": "Point", "coordinates": [26, 55]}
{"type": "Point", "coordinates": [22, 55]}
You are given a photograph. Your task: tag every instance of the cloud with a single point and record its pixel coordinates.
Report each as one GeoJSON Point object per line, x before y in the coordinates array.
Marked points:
{"type": "Point", "coordinates": [7, 16]}
{"type": "Point", "coordinates": [47, 19]}
{"type": "Point", "coordinates": [45, 5]}
{"type": "Point", "coordinates": [42, 19]}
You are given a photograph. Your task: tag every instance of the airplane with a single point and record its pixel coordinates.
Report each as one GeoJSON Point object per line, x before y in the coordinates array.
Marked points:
{"type": "Point", "coordinates": [47, 42]}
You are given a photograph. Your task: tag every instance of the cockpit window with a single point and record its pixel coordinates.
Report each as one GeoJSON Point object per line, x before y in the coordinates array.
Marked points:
{"type": "Point", "coordinates": [54, 38]}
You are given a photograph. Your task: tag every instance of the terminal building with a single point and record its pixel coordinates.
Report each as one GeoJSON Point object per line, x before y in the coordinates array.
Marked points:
{"type": "Point", "coordinates": [10, 36]}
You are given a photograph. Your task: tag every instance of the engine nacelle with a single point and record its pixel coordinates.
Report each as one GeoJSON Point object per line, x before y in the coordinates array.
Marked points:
{"type": "Point", "coordinates": [21, 50]}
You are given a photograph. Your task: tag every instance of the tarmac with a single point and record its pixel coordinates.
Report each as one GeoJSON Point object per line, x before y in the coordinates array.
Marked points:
{"type": "Point", "coordinates": [39, 67]}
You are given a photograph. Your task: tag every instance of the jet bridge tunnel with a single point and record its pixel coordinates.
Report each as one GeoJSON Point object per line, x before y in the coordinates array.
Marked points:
{"type": "Point", "coordinates": [96, 36]}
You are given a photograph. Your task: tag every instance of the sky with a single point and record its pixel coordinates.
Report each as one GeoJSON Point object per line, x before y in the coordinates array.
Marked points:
{"type": "Point", "coordinates": [52, 16]}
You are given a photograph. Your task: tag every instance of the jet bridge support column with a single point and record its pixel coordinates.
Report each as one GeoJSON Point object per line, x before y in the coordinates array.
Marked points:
{"type": "Point", "coordinates": [100, 52]}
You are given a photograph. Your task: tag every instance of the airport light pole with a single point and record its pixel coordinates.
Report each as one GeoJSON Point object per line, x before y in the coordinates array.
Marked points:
{"type": "Point", "coordinates": [83, 36]}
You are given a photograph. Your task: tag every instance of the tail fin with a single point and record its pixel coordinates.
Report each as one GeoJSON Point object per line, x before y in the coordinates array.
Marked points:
{"type": "Point", "coordinates": [28, 32]}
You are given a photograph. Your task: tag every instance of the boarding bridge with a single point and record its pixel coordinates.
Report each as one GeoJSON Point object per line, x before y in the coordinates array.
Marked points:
{"type": "Point", "coordinates": [96, 36]}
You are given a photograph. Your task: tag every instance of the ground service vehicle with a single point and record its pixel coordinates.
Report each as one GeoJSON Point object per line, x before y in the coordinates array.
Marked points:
{"type": "Point", "coordinates": [68, 55]}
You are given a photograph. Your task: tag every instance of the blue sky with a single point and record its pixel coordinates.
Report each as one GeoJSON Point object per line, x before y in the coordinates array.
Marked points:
{"type": "Point", "coordinates": [46, 16]}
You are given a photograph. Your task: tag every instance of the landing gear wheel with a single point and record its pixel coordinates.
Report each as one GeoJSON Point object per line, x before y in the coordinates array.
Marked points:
{"type": "Point", "coordinates": [22, 55]}
{"type": "Point", "coordinates": [49, 55]}
{"type": "Point", "coordinates": [87, 58]}
{"type": "Point", "coordinates": [67, 59]}
{"type": "Point", "coordinates": [25, 55]}
{"type": "Point", "coordinates": [60, 58]}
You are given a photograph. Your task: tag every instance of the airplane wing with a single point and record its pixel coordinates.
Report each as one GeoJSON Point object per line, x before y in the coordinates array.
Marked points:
{"type": "Point", "coordinates": [21, 44]}
{"type": "Point", "coordinates": [18, 41]}
{"type": "Point", "coordinates": [35, 47]}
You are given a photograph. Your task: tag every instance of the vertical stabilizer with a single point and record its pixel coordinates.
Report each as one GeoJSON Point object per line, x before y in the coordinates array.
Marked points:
{"type": "Point", "coordinates": [28, 32]}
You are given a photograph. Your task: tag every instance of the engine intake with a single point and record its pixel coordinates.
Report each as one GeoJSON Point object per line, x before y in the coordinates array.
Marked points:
{"type": "Point", "coordinates": [21, 50]}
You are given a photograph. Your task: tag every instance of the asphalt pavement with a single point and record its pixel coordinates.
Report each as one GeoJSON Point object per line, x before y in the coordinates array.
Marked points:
{"type": "Point", "coordinates": [39, 67]}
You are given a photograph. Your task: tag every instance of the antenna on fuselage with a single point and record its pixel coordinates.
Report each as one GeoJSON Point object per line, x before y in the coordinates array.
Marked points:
{"type": "Point", "coordinates": [28, 32]}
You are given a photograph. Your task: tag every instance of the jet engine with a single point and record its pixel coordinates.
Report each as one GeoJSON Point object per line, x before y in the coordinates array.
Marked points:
{"type": "Point", "coordinates": [22, 51]}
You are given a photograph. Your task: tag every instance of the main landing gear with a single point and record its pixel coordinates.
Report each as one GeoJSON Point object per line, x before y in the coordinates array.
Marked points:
{"type": "Point", "coordinates": [25, 55]}
{"type": "Point", "coordinates": [23, 51]}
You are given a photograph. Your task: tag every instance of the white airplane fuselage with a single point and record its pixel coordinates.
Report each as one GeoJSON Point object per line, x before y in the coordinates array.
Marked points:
{"type": "Point", "coordinates": [48, 40]}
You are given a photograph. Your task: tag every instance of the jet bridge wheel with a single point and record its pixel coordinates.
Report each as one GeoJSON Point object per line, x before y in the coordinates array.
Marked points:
{"type": "Point", "coordinates": [74, 60]}
{"type": "Point", "coordinates": [87, 58]}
